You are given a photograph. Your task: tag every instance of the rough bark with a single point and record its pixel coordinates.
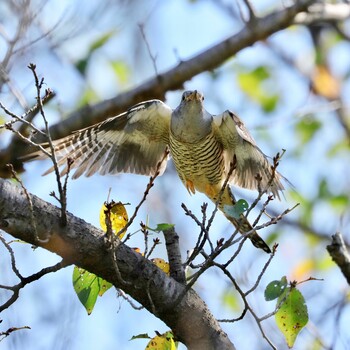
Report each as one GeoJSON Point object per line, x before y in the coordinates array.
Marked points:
{"type": "Point", "coordinates": [82, 244]}
{"type": "Point", "coordinates": [340, 255]}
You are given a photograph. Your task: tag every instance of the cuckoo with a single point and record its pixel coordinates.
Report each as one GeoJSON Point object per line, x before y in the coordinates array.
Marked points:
{"type": "Point", "coordinates": [202, 146]}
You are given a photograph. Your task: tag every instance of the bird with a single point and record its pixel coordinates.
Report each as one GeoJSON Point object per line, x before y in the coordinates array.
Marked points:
{"type": "Point", "coordinates": [203, 148]}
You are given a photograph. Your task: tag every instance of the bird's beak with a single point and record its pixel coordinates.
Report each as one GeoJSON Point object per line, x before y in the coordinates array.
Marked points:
{"type": "Point", "coordinates": [194, 96]}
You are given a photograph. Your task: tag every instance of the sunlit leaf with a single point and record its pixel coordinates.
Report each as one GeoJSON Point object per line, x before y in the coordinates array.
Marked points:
{"type": "Point", "coordinates": [324, 262]}
{"type": "Point", "coordinates": [162, 342]}
{"type": "Point", "coordinates": [342, 146]}
{"type": "Point", "coordinates": [231, 300]}
{"type": "Point", "coordinates": [275, 288]}
{"type": "Point", "coordinates": [340, 202]}
{"type": "Point", "coordinates": [324, 83]}
{"type": "Point", "coordinates": [82, 64]}
{"type": "Point", "coordinates": [161, 227]}
{"type": "Point", "coordinates": [252, 84]}
{"type": "Point", "coordinates": [306, 129]}
{"type": "Point", "coordinates": [104, 286]}
{"type": "Point", "coordinates": [89, 96]}
{"type": "Point", "coordinates": [88, 286]}
{"type": "Point", "coordinates": [237, 209]}
{"type": "Point", "coordinates": [292, 315]}
{"type": "Point", "coordinates": [305, 204]}
{"type": "Point", "coordinates": [303, 269]}
{"type": "Point", "coordinates": [121, 70]}
{"type": "Point", "coordinates": [162, 264]}
{"type": "Point", "coordinates": [118, 217]}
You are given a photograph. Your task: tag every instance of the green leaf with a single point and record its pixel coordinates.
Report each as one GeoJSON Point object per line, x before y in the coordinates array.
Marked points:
{"type": "Point", "coordinates": [161, 227]}
{"type": "Point", "coordinates": [237, 209]}
{"type": "Point", "coordinates": [89, 96]}
{"type": "Point", "coordinates": [340, 202]}
{"type": "Point", "coordinates": [252, 83]}
{"type": "Point", "coordinates": [269, 103]}
{"type": "Point", "coordinates": [100, 41]}
{"type": "Point", "coordinates": [323, 191]}
{"type": "Point", "coordinates": [82, 64]}
{"type": "Point", "coordinates": [292, 315]}
{"type": "Point", "coordinates": [231, 300]}
{"type": "Point", "coordinates": [342, 146]}
{"type": "Point", "coordinates": [104, 286]}
{"type": "Point", "coordinates": [307, 128]}
{"type": "Point", "coordinates": [88, 286]}
{"type": "Point", "coordinates": [275, 288]}
{"type": "Point", "coordinates": [121, 70]}
{"type": "Point", "coordinates": [140, 336]}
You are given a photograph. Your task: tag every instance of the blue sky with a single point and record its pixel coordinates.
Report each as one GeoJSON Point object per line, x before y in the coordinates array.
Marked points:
{"type": "Point", "coordinates": [175, 29]}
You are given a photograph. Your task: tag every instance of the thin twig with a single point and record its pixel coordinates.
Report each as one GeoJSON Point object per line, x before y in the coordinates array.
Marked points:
{"type": "Point", "coordinates": [145, 194]}
{"type": "Point", "coordinates": [153, 57]}
{"type": "Point", "coordinates": [63, 195]}
{"type": "Point", "coordinates": [26, 280]}
{"type": "Point", "coordinates": [274, 249]}
{"type": "Point", "coordinates": [122, 294]}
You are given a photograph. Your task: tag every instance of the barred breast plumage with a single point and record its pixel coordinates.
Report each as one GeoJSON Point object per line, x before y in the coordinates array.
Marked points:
{"type": "Point", "coordinates": [200, 163]}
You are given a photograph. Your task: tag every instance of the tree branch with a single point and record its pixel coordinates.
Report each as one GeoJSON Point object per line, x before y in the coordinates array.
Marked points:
{"type": "Point", "coordinates": [175, 77]}
{"type": "Point", "coordinates": [340, 255]}
{"type": "Point", "coordinates": [174, 255]}
{"type": "Point", "coordinates": [85, 246]}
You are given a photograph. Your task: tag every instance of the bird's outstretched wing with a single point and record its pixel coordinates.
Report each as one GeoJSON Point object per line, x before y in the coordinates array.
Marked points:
{"type": "Point", "coordinates": [250, 160]}
{"type": "Point", "coordinates": [132, 142]}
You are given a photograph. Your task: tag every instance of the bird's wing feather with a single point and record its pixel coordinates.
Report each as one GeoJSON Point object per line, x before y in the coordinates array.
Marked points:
{"type": "Point", "coordinates": [133, 142]}
{"type": "Point", "coordinates": [250, 160]}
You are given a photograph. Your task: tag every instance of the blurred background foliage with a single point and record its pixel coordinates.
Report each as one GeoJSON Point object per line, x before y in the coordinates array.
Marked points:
{"type": "Point", "coordinates": [292, 91]}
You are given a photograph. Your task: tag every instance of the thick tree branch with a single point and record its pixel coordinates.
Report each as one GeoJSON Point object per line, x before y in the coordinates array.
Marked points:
{"type": "Point", "coordinates": [340, 255]}
{"type": "Point", "coordinates": [174, 78]}
{"type": "Point", "coordinates": [174, 255]}
{"type": "Point", "coordinates": [84, 245]}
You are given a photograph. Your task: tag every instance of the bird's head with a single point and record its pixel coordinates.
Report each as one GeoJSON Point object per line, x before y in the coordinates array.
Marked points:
{"type": "Point", "coordinates": [192, 96]}
{"type": "Point", "coordinates": [191, 105]}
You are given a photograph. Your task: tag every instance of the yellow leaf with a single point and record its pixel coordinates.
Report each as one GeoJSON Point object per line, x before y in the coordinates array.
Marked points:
{"type": "Point", "coordinates": [162, 342]}
{"type": "Point", "coordinates": [162, 264]}
{"type": "Point", "coordinates": [118, 217]}
{"type": "Point", "coordinates": [303, 270]}
{"type": "Point", "coordinates": [324, 83]}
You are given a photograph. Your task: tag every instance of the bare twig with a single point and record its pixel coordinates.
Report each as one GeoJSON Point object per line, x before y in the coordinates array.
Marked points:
{"type": "Point", "coordinates": [26, 280]}
{"type": "Point", "coordinates": [63, 195]}
{"type": "Point", "coordinates": [262, 272]}
{"type": "Point", "coordinates": [123, 295]}
{"type": "Point", "coordinates": [156, 242]}
{"type": "Point", "coordinates": [5, 334]}
{"type": "Point", "coordinates": [153, 57]}
{"type": "Point", "coordinates": [145, 194]}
